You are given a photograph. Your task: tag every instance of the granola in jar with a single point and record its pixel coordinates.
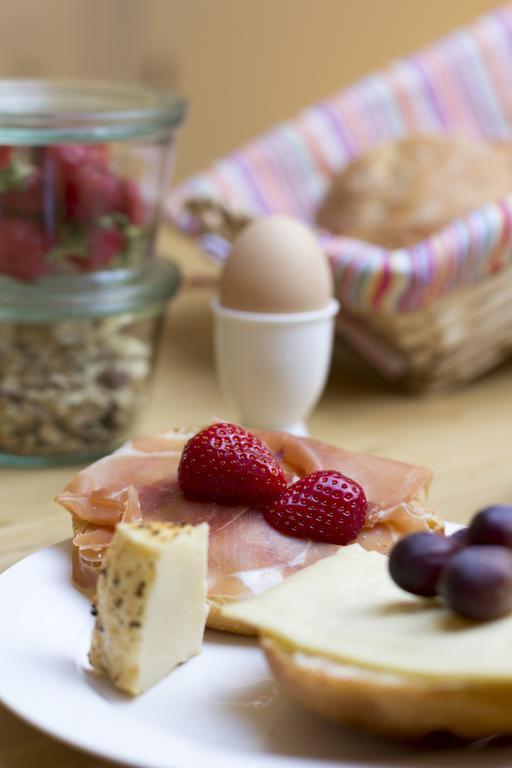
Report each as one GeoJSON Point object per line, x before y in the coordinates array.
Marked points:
{"type": "Point", "coordinates": [72, 386]}
{"type": "Point", "coordinates": [76, 358]}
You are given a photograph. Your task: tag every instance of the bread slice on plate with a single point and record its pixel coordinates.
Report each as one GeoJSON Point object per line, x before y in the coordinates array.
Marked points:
{"type": "Point", "coordinates": [390, 704]}
{"type": "Point", "coordinates": [351, 646]}
{"type": "Point", "coordinates": [246, 555]}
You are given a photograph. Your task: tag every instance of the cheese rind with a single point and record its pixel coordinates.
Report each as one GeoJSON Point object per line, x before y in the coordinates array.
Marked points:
{"type": "Point", "coordinates": [346, 608]}
{"type": "Point", "coordinates": [151, 602]}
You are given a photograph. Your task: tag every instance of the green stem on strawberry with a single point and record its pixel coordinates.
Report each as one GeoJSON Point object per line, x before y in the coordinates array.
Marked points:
{"type": "Point", "coordinates": [14, 175]}
{"type": "Point", "coordinates": [134, 237]}
{"type": "Point", "coordinates": [113, 243]}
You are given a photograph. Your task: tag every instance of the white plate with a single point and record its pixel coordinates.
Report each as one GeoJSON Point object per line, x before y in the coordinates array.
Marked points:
{"type": "Point", "coordinates": [220, 710]}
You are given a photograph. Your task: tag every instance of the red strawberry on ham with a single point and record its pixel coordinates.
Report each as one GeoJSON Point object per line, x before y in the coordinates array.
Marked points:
{"type": "Point", "coordinates": [227, 464]}
{"type": "Point", "coordinates": [323, 506]}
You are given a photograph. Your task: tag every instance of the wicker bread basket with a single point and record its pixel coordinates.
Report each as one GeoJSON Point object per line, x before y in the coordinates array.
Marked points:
{"type": "Point", "coordinates": [452, 341]}
{"type": "Point", "coordinates": [431, 316]}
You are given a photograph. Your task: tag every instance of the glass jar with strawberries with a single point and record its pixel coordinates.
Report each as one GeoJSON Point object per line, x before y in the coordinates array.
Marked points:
{"type": "Point", "coordinates": [83, 170]}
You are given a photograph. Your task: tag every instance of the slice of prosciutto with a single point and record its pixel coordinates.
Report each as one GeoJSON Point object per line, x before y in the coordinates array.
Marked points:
{"type": "Point", "coordinates": [246, 555]}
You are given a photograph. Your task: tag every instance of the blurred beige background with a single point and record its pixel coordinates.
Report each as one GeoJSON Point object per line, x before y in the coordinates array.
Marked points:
{"type": "Point", "coordinates": [244, 64]}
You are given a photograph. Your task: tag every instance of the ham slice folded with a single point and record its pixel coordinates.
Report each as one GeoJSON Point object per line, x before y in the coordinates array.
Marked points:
{"type": "Point", "coordinates": [246, 555]}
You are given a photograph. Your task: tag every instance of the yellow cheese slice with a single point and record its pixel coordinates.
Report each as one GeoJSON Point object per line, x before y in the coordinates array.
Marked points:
{"type": "Point", "coordinates": [346, 608]}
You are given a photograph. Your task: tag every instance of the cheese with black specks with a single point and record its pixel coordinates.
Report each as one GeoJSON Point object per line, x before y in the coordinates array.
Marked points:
{"type": "Point", "coordinates": [151, 602]}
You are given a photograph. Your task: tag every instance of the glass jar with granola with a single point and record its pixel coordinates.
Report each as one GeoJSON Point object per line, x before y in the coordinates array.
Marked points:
{"type": "Point", "coordinates": [76, 357]}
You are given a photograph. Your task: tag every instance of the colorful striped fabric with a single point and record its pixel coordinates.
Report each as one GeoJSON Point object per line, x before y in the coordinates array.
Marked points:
{"type": "Point", "coordinates": [461, 84]}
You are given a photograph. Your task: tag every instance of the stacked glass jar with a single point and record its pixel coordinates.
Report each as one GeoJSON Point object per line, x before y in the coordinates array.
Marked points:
{"type": "Point", "coordinates": [83, 173]}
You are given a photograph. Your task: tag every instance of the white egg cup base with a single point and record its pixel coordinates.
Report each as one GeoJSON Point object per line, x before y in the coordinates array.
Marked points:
{"type": "Point", "coordinates": [273, 367]}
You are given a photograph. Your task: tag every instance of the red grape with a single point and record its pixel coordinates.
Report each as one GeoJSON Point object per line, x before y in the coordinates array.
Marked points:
{"type": "Point", "coordinates": [461, 538]}
{"type": "Point", "coordinates": [492, 525]}
{"type": "Point", "coordinates": [477, 582]}
{"type": "Point", "coordinates": [417, 560]}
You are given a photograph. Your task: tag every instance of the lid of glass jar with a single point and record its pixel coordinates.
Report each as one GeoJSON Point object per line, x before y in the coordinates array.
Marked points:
{"type": "Point", "coordinates": [99, 294]}
{"type": "Point", "coordinates": [62, 111]}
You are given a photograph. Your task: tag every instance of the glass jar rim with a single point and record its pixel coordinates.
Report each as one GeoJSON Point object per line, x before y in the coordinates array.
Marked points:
{"type": "Point", "coordinates": [67, 111]}
{"type": "Point", "coordinates": [100, 294]}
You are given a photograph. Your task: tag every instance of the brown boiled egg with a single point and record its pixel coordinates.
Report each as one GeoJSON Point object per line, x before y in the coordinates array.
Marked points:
{"type": "Point", "coordinates": [276, 265]}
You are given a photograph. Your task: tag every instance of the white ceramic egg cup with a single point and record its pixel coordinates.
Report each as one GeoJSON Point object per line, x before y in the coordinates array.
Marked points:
{"type": "Point", "coordinates": [273, 367]}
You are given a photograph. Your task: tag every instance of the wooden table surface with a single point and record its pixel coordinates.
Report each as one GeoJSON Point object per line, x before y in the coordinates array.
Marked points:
{"type": "Point", "coordinates": [464, 436]}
